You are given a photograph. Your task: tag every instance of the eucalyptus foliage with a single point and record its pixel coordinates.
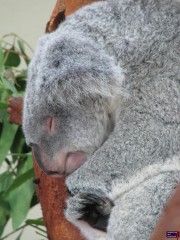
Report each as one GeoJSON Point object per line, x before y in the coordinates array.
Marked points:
{"type": "Point", "coordinates": [17, 193]}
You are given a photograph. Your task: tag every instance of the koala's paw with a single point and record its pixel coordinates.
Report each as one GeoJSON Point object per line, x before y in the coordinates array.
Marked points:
{"type": "Point", "coordinates": [90, 208]}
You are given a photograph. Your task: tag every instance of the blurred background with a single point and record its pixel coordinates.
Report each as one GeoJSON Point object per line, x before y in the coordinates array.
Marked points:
{"type": "Point", "coordinates": [26, 21]}
{"type": "Point", "coordinates": [26, 18]}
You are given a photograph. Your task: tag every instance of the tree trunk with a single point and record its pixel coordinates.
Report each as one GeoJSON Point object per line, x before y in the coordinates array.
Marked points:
{"type": "Point", "coordinates": [72, 6]}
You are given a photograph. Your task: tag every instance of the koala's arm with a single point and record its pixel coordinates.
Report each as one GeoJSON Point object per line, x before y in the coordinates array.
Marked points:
{"type": "Point", "coordinates": [139, 139]}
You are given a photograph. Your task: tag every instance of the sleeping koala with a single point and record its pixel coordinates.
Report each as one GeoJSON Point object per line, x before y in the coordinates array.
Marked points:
{"type": "Point", "coordinates": [102, 106]}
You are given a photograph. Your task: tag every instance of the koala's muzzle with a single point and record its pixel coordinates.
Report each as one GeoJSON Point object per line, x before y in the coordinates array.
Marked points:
{"type": "Point", "coordinates": [42, 159]}
{"type": "Point", "coordinates": [60, 164]}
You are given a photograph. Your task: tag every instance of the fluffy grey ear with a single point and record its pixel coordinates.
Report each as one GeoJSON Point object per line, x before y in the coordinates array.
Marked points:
{"type": "Point", "coordinates": [73, 67]}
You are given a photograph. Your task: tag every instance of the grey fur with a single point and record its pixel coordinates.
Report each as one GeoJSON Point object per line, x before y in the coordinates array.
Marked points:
{"type": "Point", "coordinates": [76, 75]}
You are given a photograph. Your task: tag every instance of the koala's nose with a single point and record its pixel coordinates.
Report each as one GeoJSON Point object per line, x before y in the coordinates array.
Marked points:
{"type": "Point", "coordinates": [37, 153]}
{"type": "Point", "coordinates": [60, 164]}
{"type": "Point", "coordinates": [74, 160]}
{"type": "Point", "coordinates": [49, 165]}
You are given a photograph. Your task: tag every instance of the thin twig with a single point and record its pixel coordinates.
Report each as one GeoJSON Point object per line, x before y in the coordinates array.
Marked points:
{"type": "Point", "coordinates": [14, 34]}
{"type": "Point", "coordinates": [41, 234]}
{"type": "Point", "coordinates": [38, 228]}
{"type": "Point", "coordinates": [9, 234]}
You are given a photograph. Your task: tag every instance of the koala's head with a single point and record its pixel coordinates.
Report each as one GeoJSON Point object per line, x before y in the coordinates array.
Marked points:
{"type": "Point", "coordinates": [71, 88]}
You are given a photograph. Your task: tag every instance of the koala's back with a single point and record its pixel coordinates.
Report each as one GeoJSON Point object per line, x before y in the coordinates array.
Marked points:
{"type": "Point", "coordinates": [142, 36]}
{"type": "Point", "coordinates": [132, 31]}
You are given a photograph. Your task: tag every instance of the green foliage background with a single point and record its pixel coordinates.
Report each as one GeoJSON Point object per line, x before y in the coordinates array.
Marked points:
{"type": "Point", "coordinates": [17, 193]}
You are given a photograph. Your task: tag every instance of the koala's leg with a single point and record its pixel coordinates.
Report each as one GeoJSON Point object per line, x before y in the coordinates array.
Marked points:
{"type": "Point", "coordinates": [136, 213]}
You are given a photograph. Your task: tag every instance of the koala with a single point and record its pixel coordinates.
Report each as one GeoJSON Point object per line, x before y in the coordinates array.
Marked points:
{"type": "Point", "coordinates": [102, 106]}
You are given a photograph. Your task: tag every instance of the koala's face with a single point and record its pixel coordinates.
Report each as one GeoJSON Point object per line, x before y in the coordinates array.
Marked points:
{"type": "Point", "coordinates": [63, 138]}
{"type": "Point", "coordinates": [66, 118]}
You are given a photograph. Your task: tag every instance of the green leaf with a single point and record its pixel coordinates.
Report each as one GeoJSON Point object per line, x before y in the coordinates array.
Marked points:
{"type": "Point", "coordinates": [27, 165]}
{"type": "Point", "coordinates": [20, 83]}
{"type": "Point", "coordinates": [6, 179]}
{"type": "Point", "coordinates": [19, 201]}
{"type": "Point", "coordinates": [18, 144]}
{"type": "Point", "coordinates": [3, 117]}
{"type": "Point", "coordinates": [22, 49]}
{"type": "Point", "coordinates": [5, 93]}
{"type": "Point", "coordinates": [12, 59]}
{"type": "Point", "coordinates": [20, 198]}
{"type": "Point", "coordinates": [6, 140]}
{"type": "Point", "coordinates": [9, 85]}
{"type": "Point", "coordinates": [1, 59]}
{"type": "Point", "coordinates": [20, 180]}
{"type": "Point", "coordinates": [38, 222]}
{"type": "Point", "coordinates": [4, 214]}
{"type": "Point", "coordinates": [3, 105]}
{"type": "Point", "coordinates": [21, 46]}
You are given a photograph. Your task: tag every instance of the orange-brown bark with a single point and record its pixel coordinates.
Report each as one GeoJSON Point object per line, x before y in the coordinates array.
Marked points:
{"type": "Point", "coordinates": [64, 8]}
{"type": "Point", "coordinates": [72, 5]}
{"type": "Point", "coordinates": [57, 16]}
{"type": "Point", "coordinates": [52, 194]}
{"type": "Point", "coordinates": [15, 110]}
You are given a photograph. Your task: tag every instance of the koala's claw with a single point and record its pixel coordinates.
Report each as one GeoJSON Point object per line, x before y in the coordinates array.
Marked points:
{"type": "Point", "coordinates": [102, 205]}
{"type": "Point", "coordinates": [92, 209]}
{"type": "Point", "coordinates": [93, 198]}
